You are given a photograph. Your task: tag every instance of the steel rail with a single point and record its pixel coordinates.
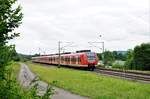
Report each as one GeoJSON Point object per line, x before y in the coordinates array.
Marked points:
{"type": "Point", "coordinates": [126, 74]}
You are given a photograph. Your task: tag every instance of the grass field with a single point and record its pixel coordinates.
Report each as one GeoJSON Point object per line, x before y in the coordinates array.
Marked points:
{"type": "Point", "coordinates": [91, 84]}
{"type": "Point", "coordinates": [15, 68]}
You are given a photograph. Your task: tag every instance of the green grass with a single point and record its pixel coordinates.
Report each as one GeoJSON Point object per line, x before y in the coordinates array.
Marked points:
{"type": "Point", "coordinates": [16, 68]}
{"type": "Point", "coordinates": [91, 84]}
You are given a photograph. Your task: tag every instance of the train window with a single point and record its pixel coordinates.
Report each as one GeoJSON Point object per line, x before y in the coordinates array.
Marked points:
{"type": "Point", "coordinates": [91, 56]}
{"type": "Point", "coordinates": [73, 59]}
{"type": "Point", "coordinates": [50, 59]}
{"type": "Point", "coordinates": [78, 59]}
{"type": "Point", "coordinates": [68, 59]}
{"type": "Point", "coordinates": [54, 59]}
{"type": "Point", "coordinates": [57, 59]}
{"type": "Point", "coordinates": [65, 59]}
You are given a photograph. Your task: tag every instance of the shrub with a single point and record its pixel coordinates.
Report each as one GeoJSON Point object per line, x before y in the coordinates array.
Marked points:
{"type": "Point", "coordinates": [118, 64]}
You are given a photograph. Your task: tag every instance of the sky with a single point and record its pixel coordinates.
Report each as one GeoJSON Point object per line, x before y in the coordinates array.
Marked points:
{"type": "Point", "coordinates": [122, 24]}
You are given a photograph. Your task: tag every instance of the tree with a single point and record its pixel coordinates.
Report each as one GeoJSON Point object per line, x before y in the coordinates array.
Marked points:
{"type": "Point", "coordinates": [139, 58]}
{"type": "Point", "coordinates": [115, 54]}
{"type": "Point", "coordinates": [9, 20]}
{"type": "Point", "coordinates": [119, 56]}
{"type": "Point", "coordinates": [99, 56]}
{"type": "Point", "coordinates": [109, 58]}
{"type": "Point", "coordinates": [129, 60]}
{"type": "Point", "coordinates": [142, 56]}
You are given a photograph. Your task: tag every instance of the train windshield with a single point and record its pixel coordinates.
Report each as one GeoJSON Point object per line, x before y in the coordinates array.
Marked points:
{"type": "Point", "coordinates": [91, 56]}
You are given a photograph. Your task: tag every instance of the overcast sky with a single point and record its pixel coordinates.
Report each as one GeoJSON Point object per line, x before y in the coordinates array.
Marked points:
{"type": "Point", "coordinates": [122, 24]}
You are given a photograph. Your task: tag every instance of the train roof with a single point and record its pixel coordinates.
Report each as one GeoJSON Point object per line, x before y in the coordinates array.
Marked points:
{"type": "Point", "coordinates": [64, 54]}
{"type": "Point", "coordinates": [82, 51]}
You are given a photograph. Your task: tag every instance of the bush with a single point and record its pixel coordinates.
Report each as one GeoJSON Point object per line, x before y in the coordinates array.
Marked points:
{"type": "Point", "coordinates": [117, 65]}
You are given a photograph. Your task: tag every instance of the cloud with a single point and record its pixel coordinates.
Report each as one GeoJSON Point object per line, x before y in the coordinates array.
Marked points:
{"type": "Point", "coordinates": [49, 21]}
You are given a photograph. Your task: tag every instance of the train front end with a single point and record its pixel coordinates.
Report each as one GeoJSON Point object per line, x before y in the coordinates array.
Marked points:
{"type": "Point", "coordinates": [92, 60]}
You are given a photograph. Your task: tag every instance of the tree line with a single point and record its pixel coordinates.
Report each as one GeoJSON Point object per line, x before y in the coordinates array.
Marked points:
{"type": "Point", "coordinates": [108, 57]}
{"type": "Point", "coordinates": [137, 59]}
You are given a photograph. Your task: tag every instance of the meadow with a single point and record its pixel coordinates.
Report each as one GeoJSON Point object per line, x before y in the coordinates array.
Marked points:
{"type": "Point", "coordinates": [92, 85]}
{"type": "Point", "coordinates": [15, 69]}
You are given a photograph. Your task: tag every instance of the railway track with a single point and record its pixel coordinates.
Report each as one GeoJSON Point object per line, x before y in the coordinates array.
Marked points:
{"type": "Point", "coordinates": [136, 76]}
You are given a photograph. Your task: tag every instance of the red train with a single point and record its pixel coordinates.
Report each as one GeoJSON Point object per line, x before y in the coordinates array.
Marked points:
{"type": "Point", "coordinates": [84, 59]}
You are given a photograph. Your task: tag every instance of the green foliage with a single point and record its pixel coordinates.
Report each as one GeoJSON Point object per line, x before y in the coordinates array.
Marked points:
{"type": "Point", "coordinates": [24, 58]}
{"type": "Point", "coordinates": [129, 62]}
{"type": "Point", "coordinates": [10, 18]}
{"type": "Point", "coordinates": [48, 93]}
{"type": "Point", "coordinates": [142, 57]}
{"type": "Point", "coordinates": [108, 58]}
{"type": "Point", "coordinates": [99, 56]}
{"type": "Point", "coordinates": [35, 55]}
{"type": "Point", "coordinates": [6, 55]}
{"type": "Point", "coordinates": [119, 56]}
{"type": "Point", "coordinates": [10, 88]}
{"type": "Point", "coordinates": [118, 64]}
{"type": "Point", "coordinates": [21, 57]}
{"type": "Point", "coordinates": [139, 58]}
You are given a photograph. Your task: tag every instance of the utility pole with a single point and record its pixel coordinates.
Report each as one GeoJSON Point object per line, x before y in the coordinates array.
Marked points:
{"type": "Point", "coordinates": [59, 50]}
{"type": "Point", "coordinates": [103, 55]}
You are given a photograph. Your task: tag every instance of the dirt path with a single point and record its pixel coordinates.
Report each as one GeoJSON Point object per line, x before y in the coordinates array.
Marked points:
{"type": "Point", "coordinates": [26, 77]}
